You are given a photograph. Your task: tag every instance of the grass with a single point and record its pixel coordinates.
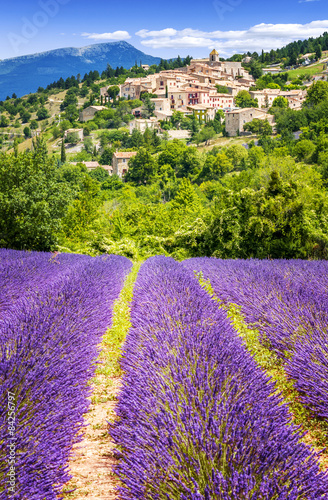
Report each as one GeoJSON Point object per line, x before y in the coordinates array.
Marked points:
{"type": "Point", "coordinates": [115, 336]}
{"type": "Point", "coordinates": [309, 70]}
{"type": "Point", "coordinates": [225, 141]}
{"type": "Point", "coordinates": [106, 376]}
{"type": "Point", "coordinates": [315, 429]}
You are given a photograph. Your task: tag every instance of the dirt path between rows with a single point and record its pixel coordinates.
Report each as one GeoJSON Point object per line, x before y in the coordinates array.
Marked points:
{"type": "Point", "coordinates": [92, 460]}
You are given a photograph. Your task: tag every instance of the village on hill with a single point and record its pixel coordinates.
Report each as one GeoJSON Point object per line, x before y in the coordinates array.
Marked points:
{"type": "Point", "coordinates": [193, 90]}
{"type": "Point", "coordinates": [209, 91]}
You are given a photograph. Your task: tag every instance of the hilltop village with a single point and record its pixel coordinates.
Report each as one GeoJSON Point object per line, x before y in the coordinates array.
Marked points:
{"type": "Point", "coordinates": [194, 90]}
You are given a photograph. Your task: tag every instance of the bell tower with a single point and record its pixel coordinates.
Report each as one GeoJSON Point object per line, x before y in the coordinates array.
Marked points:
{"type": "Point", "coordinates": [214, 56]}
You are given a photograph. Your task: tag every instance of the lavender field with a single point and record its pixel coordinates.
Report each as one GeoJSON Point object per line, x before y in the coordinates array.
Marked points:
{"type": "Point", "coordinates": [54, 311]}
{"type": "Point", "coordinates": [197, 418]}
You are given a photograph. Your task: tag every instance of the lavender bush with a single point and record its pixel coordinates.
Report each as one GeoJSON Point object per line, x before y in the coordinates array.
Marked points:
{"type": "Point", "coordinates": [51, 325]}
{"type": "Point", "coordinates": [288, 302]}
{"type": "Point", "coordinates": [198, 419]}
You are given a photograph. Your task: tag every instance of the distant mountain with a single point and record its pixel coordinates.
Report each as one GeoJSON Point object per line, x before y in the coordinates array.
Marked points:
{"type": "Point", "coordinates": [25, 74]}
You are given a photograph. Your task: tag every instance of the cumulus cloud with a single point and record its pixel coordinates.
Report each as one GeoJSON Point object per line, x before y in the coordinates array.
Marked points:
{"type": "Point", "coordinates": [116, 35]}
{"type": "Point", "coordinates": [261, 36]}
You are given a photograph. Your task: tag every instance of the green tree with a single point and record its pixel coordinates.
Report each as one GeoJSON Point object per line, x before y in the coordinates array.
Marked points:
{"type": "Point", "coordinates": [222, 89]}
{"type": "Point", "coordinates": [148, 107]}
{"type": "Point", "coordinates": [244, 100]}
{"type": "Point", "coordinates": [42, 113]}
{"type": "Point", "coordinates": [84, 210]}
{"type": "Point", "coordinates": [186, 196]}
{"type": "Point", "coordinates": [317, 93]}
{"type": "Point", "coordinates": [72, 138]}
{"type": "Point", "coordinates": [113, 92]}
{"type": "Point", "coordinates": [304, 150]}
{"type": "Point", "coordinates": [237, 154]}
{"type": "Point", "coordinates": [99, 174]}
{"type": "Point", "coordinates": [280, 102]}
{"type": "Point", "coordinates": [142, 167]}
{"type": "Point", "coordinates": [63, 152]}
{"type": "Point", "coordinates": [27, 132]}
{"type": "Point", "coordinates": [32, 201]}
{"type": "Point", "coordinates": [318, 51]}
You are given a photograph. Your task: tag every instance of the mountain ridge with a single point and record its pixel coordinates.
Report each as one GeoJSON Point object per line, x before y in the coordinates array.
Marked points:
{"type": "Point", "coordinates": [24, 74]}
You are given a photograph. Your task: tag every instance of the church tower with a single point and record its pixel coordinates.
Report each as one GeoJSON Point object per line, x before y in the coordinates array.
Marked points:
{"type": "Point", "coordinates": [214, 56]}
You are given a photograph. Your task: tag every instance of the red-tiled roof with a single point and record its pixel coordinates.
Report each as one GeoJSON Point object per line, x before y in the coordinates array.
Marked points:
{"type": "Point", "coordinates": [125, 154]}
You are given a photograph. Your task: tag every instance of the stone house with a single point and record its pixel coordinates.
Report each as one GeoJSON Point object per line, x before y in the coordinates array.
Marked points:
{"type": "Point", "coordinates": [236, 119]}
{"type": "Point", "coordinates": [120, 162]}
{"type": "Point", "coordinates": [202, 111]}
{"type": "Point", "coordinates": [91, 165]}
{"type": "Point", "coordinates": [77, 131]}
{"type": "Point", "coordinates": [90, 112]}
{"type": "Point", "coordinates": [142, 124]}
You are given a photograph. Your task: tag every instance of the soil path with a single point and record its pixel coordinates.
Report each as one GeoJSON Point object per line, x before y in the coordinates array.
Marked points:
{"type": "Point", "coordinates": [92, 459]}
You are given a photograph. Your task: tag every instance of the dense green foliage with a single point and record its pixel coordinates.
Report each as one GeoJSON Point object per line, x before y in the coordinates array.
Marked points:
{"type": "Point", "coordinates": [269, 200]}
{"type": "Point", "coordinates": [288, 54]}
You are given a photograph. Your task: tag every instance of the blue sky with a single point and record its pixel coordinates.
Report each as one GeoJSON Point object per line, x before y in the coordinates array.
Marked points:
{"type": "Point", "coordinates": [165, 29]}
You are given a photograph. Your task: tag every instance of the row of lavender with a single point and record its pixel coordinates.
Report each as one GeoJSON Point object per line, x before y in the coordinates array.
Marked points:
{"type": "Point", "coordinates": [53, 312]}
{"type": "Point", "coordinates": [288, 302]}
{"type": "Point", "coordinates": [198, 419]}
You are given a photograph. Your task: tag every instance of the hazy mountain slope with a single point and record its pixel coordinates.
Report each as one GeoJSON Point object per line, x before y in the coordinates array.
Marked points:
{"type": "Point", "coordinates": [25, 74]}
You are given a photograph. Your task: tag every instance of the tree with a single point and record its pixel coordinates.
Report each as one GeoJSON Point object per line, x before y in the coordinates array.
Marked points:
{"type": "Point", "coordinates": [27, 132]}
{"type": "Point", "coordinates": [99, 174]}
{"type": "Point", "coordinates": [280, 102]}
{"type": "Point", "coordinates": [244, 100]}
{"type": "Point", "coordinates": [222, 89]}
{"type": "Point", "coordinates": [42, 113]}
{"type": "Point", "coordinates": [85, 209]}
{"type": "Point", "coordinates": [215, 167]}
{"type": "Point", "coordinates": [255, 69]}
{"type": "Point", "coordinates": [318, 51]}
{"type": "Point", "coordinates": [142, 167]}
{"type": "Point", "coordinates": [4, 122]}
{"type": "Point", "coordinates": [32, 201]}
{"type": "Point", "coordinates": [186, 196]}
{"type": "Point", "coordinates": [176, 118]}
{"type": "Point", "coordinates": [237, 154]}
{"type": "Point", "coordinates": [304, 150]}
{"type": "Point", "coordinates": [72, 138]}
{"type": "Point", "coordinates": [148, 107]}
{"type": "Point", "coordinates": [34, 125]}
{"type": "Point", "coordinates": [71, 113]}
{"type": "Point", "coordinates": [256, 156]}
{"type": "Point", "coordinates": [206, 134]}
{"type": "Point", "coordinates": [88, 144]}
{"type": "Point", "coordinates": [260, 127]}
{"type": "Point", "coordinates": [25, 115]}
{"type": "Point", "coordinates": [113, 92]}
{"type": "Point", "coordinates": [63, 152]}
{"type": "Point", "coordinates": [317, 93]}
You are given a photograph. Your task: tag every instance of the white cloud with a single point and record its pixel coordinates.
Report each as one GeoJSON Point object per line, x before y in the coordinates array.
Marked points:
{"type": "Point", "coordinates": [154, 34]}
{"type": "Point", "coordinates": [261, 36]}
{"type": "Point", "coordinates": [306, 1]}
{"type": "Point", "coordinates": [116, 35]}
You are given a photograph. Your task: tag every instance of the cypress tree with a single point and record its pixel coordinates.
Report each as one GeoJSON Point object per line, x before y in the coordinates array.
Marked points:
{"type": "Point", "coordinates": [63, 152]}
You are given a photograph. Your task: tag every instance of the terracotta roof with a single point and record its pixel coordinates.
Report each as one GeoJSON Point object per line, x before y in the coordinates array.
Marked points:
{"type": "Point", "coordinates": [125, 154]}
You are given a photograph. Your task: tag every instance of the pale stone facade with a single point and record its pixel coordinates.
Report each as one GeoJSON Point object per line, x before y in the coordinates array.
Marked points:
{"type": "Point", "coordinates": [90, 112]}
{"type": "Point", "coordinates": [120, 162]}
{"type": "Point", "coordinates": [236, 119]}
{"type": "Point", "coordinates": [142, 124]}
{"type": "Point", "coordinates": [77, 131]}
